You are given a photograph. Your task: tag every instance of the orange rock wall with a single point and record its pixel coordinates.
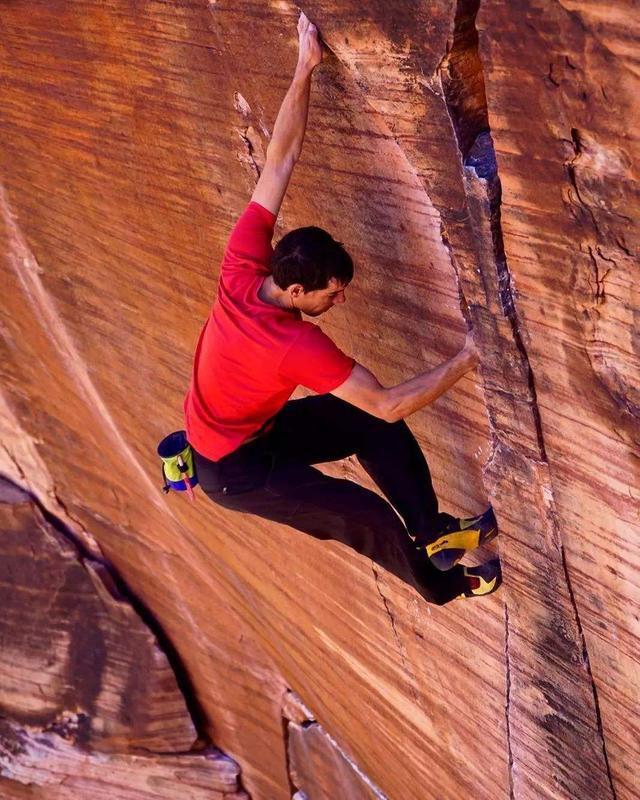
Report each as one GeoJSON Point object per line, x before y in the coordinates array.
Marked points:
{"type": "Point", "coordinates": [132, 133]}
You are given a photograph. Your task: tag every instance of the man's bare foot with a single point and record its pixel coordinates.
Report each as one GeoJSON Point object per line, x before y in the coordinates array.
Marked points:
{"type": "Point", "coordinates": [310, 47]}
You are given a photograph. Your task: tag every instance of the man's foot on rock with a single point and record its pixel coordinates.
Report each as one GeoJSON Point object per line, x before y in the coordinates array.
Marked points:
{"type": "Point", "coordinates": [459, 536]}
{"type": "Point", "coordinates": [483, 579]}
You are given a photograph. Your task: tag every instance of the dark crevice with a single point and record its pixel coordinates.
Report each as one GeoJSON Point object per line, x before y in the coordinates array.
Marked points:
{"type": "Point", "coordinates": [462, 77]}
{"type": "Point", "coordinates": [600, 295]}
{"type": "Point", "coordinates": [550, 77]}
{"type": "Point", "coordinates": [482, 161]}
{"type": "Point", "coordinates": [119, 589]}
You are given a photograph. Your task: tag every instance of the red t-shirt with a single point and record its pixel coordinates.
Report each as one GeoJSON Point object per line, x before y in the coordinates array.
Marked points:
{"type": "Point", "coordinates": [251, 355]}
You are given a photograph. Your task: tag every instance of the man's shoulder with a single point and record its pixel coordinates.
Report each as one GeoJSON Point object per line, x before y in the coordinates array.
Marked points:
{"type": "Point", "coordinates": [249, 243]}
{"type": "Point", "coordinates": [254, 219]}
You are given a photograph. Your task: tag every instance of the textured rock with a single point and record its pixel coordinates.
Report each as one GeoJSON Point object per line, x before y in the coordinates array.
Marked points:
{"type": "Point", "coordinates": [320, 770]}
{"type": "Point", "coordinates": [75, 658]}
{"type": "Point", "coordinates": [317, 766]}
{"type": "Point", "coordinates": [132, 135]}
{"type": "Point", "coordinates": [89, 704]}
{"type": "Point", "coordinates": [45, 765]}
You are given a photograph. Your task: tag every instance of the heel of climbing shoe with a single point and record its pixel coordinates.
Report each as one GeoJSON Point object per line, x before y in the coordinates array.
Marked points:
{"type": "Point", "coordinates": [483, 579]}
{"type": "Point", "coordinates": [459, 536]}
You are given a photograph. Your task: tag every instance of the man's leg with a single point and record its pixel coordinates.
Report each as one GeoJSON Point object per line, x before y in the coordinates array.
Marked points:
{"type": "Point", "coordinates": [324, 428]}
{"type": "Point", "coordinates": [302, 497]}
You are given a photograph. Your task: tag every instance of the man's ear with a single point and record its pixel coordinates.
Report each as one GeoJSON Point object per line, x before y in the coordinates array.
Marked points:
{"type": "Point", "coordinates": [296, 290]}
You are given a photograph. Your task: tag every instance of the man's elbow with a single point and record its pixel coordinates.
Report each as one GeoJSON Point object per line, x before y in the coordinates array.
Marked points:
{"type": "Point", "coordinates": [387, 408]}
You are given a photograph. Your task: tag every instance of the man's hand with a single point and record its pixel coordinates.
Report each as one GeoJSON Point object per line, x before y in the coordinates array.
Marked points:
{"type": "Point", "coordinates": [310, 48]}
{"type": "Point", "coordinates": [291, 122]}
{"type": "Point", "coordinates": [363, 390]}
{"type": "Point", "coordinates": [470, 351]}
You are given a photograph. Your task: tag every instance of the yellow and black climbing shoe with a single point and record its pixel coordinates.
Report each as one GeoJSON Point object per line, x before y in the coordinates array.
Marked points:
{"type": "Point", "coordinates": [459, 536]}
{"type": "Point", "coordinates": [483, 579]}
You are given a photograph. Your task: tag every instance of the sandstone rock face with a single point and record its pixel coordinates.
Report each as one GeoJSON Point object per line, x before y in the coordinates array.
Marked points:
{"type": "Point", "coordinates": [46, 766]}
{"type": "Point", "coordinates": [89, 704]}
{"type": "Point", "coordinates": [76, 658]}
{"type": "Point", "coordinates": [478, 161]}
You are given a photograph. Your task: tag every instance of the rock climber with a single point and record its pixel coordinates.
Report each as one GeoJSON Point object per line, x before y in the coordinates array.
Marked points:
{"type": "Point", "coordinates": [254, 447]}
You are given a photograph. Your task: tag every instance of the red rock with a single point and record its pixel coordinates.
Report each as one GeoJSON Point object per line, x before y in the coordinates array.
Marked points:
{"type": "Point", "coordinates": [75, 659]}
{"type": "Point", "coordinates": [320, 770]}
{"type": "Point", "coordinates": [131, 139]}
{"type": "Point", "coordinates": [45, 765]}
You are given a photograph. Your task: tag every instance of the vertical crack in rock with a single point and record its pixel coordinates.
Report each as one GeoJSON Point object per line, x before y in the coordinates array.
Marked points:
{"type": "Point", "coordinates": [401, 650]}
{"type": "Point", "coordinates": [571, 169]}
{"type": "Point", "coordinates": [587, 663]}
{"type": "Point", "coordinates": [462, 78]}
{"type": "Point", "coordinates": [386, 605]}
{"type": "Point", "coordinates": [507, 699]}
{"type": "Point", "coordinates": [249, 156]}
{"type": "Point", "coordinates": [599, 277]}
{"type": "Point", "coordinates": [481, 160]}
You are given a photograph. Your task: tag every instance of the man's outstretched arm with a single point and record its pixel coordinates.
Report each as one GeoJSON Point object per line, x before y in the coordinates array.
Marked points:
{"type": "Point", "coordinates": [362, 388]}
{"type": "Point", "coordinates": [291, 122]}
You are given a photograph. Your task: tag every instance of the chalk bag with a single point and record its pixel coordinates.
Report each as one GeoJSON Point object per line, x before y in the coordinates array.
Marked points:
{"type": "Point", "coordinates": [178, 467]}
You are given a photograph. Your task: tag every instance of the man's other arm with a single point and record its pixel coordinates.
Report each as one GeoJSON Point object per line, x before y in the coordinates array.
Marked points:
{"type": "Point", "coordinates": [362, 388]}
{"type": "Point", "coordinates": [291, 123]}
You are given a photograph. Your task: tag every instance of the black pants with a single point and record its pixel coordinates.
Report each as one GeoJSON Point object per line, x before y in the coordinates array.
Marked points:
{"type": "Point", "coordinates": [271, 477]}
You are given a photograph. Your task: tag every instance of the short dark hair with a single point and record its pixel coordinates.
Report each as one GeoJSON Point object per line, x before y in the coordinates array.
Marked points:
{"type": "Point", "coordinates": [310, 256]}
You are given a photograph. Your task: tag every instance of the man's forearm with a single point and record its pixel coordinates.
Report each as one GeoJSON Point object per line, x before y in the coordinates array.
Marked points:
{"type": "Point", "coordinates": [410, 396]}
{"type": "Point", "coordinates": [291, 122]}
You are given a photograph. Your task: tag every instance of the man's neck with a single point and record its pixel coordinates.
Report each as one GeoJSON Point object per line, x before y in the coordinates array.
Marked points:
{"type": "Point", "coordinates": [270, 293]}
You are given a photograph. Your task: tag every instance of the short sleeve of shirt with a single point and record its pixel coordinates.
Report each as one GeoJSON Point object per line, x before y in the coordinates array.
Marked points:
{"type": "Point", "coordinates": [249, 245]}
{"type": "Point", "coordinates": [315, 362]}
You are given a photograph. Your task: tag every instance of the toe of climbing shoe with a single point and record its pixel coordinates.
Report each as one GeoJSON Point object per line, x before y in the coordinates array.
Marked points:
{"type": "Point", "coordinates": [485, 523]}
{"type": "Point", "coordinates": [483, 579]}
{"type": "Point", "coordinates": [461, 535]}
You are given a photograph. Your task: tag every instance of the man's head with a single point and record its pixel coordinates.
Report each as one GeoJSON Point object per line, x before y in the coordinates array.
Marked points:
{"type": "Point", "coordinates": [312, 268]}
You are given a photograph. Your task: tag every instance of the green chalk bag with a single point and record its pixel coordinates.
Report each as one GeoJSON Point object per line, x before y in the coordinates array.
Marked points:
{"type": "Point", "coordinates": [178, 467]}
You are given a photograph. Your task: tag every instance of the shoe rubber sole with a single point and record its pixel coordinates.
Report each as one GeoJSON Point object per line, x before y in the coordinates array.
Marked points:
{"type": "Point", "coordinates": [488, 577]}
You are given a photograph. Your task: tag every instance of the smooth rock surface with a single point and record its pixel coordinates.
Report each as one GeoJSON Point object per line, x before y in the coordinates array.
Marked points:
{"type": "Point", "coordinates": [132, 136]}
{"type": "Point", "coordinates": [320, 770]}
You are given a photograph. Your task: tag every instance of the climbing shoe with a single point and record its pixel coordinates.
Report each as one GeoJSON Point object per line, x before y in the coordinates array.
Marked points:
{"type": "Point", "coordinates": [483, 579]}
{"type": "Point", "coordinates": [461, 535]}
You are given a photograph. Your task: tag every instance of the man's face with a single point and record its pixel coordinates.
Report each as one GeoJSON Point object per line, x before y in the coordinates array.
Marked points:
{"type": "Point", "coordinates": [319, 300]}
